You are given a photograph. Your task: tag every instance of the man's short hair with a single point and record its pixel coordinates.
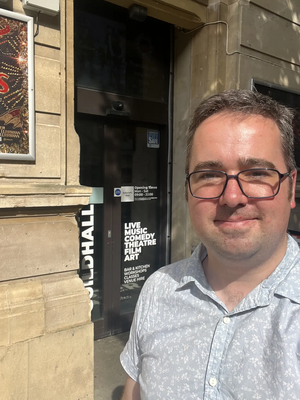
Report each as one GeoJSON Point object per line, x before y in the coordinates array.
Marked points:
{"type": "Point", "coordinates": [246, 102]}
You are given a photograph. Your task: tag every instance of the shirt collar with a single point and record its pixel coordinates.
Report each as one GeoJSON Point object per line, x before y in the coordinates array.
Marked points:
{"type": "Point", "coordinates": [193, 270]}
{"type": "Point", "coordinates": [286, 278]}
{"type": "Point", "coordinates": [284, 281]}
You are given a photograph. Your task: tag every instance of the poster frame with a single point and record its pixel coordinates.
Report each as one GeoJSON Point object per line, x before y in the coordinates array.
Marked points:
{"type": "Point", "coordinates": [30, 156]}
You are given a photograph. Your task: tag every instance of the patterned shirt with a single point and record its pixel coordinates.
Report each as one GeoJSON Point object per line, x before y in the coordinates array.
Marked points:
{"type": "Point", "coordinates": [184, 344]}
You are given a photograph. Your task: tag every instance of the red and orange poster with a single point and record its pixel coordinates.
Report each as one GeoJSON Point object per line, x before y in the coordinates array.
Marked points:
{"type": "Point", "coordinates": [14, 122]}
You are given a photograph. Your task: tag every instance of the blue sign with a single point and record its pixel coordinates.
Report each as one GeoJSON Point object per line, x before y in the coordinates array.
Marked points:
{"type": "Point", "coordinates": [117, 192]}
{"type": "Point", "coordinates": [153, 139]}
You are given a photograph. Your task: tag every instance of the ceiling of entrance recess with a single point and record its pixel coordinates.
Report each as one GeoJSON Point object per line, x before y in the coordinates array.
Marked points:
{"type": "Point", "coordinates": [186, 14]}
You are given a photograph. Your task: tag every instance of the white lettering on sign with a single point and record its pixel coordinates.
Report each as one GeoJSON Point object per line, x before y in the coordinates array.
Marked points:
{"type": "Point", "coordinates": [142, 193]}
{"type": "Point", "coordinates": [87, 250]}
{"type": "Point", "coordinates": [133, 274]}
{"type": "Point", "coordinates": [136, 237]}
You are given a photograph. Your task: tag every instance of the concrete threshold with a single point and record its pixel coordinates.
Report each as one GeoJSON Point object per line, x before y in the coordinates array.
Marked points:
{"type": "Point", "coordinates": [109, 374]}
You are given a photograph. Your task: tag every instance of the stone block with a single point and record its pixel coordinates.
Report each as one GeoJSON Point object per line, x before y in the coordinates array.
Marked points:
{"type": "Point", "coordinates": [48, 152]}
{"type": "Point", "coordinates": [27, 311]}
{"type": "Point", "coordinates": [14, 372]}
{"type": "Point", "coordinates": [61, 287]}
{"type": "Point", "coordinates": [50, 30]}
{"type": "Point", "coordinates": [24, 292]}
{"type": "Point", "coordinates": [4, 316]}
{"type": "Point", "coordinates": [4, 327]}
{"type": "Point", "coordinates": [67, 304]}
{"type": "Point", "coordinates": [260, 27]}
{"type": "Point", "coordinates": [61, 365]}
{"type": "Point", "coordinates": [22, 312]}
{"type": "Point", "coordinates": [47, 85]}
{"type": "Point", "coordinates": [27, 321]}
{"type": "Point", "coordinates": [38, 246]}
{"type": "Point", "coordinates": [290, 10]}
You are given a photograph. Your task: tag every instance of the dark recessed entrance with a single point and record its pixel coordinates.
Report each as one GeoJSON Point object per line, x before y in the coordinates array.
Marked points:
{"type": "Point", "coordinates": [122, 77]}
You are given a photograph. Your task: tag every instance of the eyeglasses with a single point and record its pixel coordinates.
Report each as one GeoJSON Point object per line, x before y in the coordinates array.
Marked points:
{"type": "Point", "coordinates": [255, 183]}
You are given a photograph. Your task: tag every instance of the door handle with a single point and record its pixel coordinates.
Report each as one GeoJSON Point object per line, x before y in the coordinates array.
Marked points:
{"type": "Point", "coordinates": [117, 110]}
{"type": "Point", "coordinates": [117, 113]}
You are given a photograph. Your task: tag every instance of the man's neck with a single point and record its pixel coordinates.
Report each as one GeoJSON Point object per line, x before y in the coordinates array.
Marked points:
{"type": "Point", "coordinates": [233, 280]}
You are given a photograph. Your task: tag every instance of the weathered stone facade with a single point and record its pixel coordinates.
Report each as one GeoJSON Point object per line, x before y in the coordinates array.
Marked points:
{"type": "Point", "coordinates": [46, 343]}
{"type": "Point", "coordinates": [263, 44]}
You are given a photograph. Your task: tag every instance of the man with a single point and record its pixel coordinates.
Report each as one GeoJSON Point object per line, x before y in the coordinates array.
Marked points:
{"type": "Point", "coordinates": [225, 323]}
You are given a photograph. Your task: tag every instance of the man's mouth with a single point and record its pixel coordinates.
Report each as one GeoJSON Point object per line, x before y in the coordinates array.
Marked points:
{"type": "Point", "coordinates": [235, 222]}
{"type": "Point", "coordinates": [235, 219]}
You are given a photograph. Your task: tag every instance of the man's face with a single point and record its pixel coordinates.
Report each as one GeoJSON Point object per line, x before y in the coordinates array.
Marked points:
{"type": "Point", "coordinates": [234, 226]}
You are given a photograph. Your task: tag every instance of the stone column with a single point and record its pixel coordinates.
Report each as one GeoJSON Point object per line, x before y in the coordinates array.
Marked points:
{"type": "Point", "coordinates": [46, 341]}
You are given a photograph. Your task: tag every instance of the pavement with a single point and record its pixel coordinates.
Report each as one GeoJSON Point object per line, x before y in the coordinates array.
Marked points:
{"type": "Point", "coordinates": [109, 374]}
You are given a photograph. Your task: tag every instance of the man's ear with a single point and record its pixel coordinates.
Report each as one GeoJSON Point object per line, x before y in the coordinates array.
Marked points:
{"type": "Point", "coordinates": [293, 194]}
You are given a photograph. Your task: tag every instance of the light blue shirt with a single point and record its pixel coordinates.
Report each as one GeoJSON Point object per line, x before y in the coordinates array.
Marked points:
{"type": "Point", "coordinates": [184, 344]}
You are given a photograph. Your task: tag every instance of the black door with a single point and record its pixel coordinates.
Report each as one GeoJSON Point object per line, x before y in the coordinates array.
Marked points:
{"type": "Point", "coordinates": [123, 229]}
{"type": "Point", "coordinates": [122, 115]}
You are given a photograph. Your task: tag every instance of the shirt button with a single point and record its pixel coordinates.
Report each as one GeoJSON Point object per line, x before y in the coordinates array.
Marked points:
{"type": "Point", "coordinates": [212, 381]}
{"type": "Point", "coordinates": [226, 320]}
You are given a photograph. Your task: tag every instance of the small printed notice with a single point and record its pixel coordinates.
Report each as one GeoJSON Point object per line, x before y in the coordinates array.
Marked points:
{"type": "Point", "coordinates": [117, 192]}
{"type": "Point", "coordinates": [135, 238]}
{"type": "Point", "coordinates": [153, 139]}
{"type": "Point", "coordinates": [127, 194]}
{"type": "Point", "coordinates": [142, 193]}
{"type": "Point", "coordinates": [135, 274]}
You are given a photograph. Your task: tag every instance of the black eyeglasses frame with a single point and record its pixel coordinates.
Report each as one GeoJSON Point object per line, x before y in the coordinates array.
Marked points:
{"type": "Point", "coordinates": [236, 177]}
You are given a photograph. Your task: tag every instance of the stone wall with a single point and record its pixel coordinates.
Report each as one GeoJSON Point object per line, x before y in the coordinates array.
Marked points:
{"type": "Point", "coordinates": [46, 344]}
{"type": "Point", "coordinates": [263, 44]}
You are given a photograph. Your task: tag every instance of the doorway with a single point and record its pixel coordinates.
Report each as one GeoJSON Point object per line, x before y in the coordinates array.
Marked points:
{"type": "Point", "coordinates": [127, 240]}
{"type": "Point", "coordinates": [122, 119]}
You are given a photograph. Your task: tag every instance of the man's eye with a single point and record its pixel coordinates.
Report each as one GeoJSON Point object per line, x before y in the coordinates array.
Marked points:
{"type": "Point", "coordinates": [257, 174]}
{"type": "Point", "coordinates": [205, 176]}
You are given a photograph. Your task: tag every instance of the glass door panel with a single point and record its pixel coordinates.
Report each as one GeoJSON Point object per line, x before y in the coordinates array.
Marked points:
{"type": "Point", "coordinates": [122, 230]}
{"type": "Point", "coordinates": [140, 213]}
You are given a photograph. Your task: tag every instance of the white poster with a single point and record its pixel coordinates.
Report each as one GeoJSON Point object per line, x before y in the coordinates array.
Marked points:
{"type": "Point", "coordinates": [127, 194]}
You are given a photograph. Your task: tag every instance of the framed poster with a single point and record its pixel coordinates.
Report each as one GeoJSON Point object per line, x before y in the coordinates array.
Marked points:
{"type": "Point", "coordinates": [17, 127]}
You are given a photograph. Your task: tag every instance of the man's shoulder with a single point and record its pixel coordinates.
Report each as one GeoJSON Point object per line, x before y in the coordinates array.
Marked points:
{"type": "Point", "coordinates": [173, 275]}
{"type": "Point", "coordinates": [289, 286]}
{"type": "Point", "coordinates": [170, 273]}
{"type": "Point", "coordinates": [162, 289]}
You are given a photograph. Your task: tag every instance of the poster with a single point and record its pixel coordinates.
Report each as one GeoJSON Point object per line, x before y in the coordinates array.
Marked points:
{"type": "Point", "coordinates": [16, 87]}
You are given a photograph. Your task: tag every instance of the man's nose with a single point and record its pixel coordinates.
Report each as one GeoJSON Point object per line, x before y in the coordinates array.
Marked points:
{"type": "Point", "coordinates": [233, 195]}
